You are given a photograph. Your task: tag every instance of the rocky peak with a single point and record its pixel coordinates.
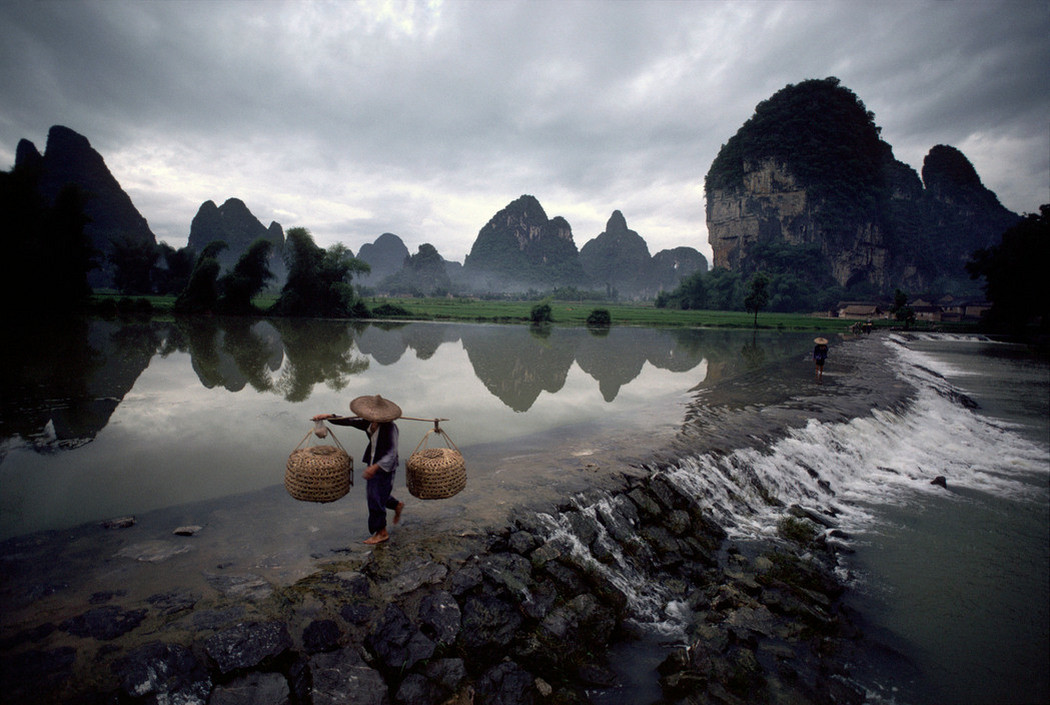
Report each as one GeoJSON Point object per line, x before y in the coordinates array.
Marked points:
{"type": "Point", "coordinates": [945, 168]}
{"type": "Point", "coordinates": [235, 225]}
{"type": "Point", "coordinates": [27, 156]}
{"type": "Point", "coordinates": [69, 159]}
{"type": "Point", "coordinates": [386, 256]}
{"type": "Point", "coordinates": [618, 259]}
{"type": "Point", "coordinates": [808, 174]}
{"type": "Point", "coordinates": [520, 247]}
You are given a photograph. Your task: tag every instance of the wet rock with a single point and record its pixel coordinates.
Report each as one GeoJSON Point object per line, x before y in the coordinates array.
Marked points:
{"type": "Point", "coordinates": [357, 612]}
{"type": "Point", "coordinates": [508, 571]}
{"type": "Point", "coordinates": [216, 619]}
{"type": "Point", "coordinates": [168, 603]}
{"type": "Point", "coordinates": [440, 617]}
{"type": "Point", "coordinates": [647, 506]}
{"type": "Point", "coordinates": [118, 523]}
{"type": "Point", "coordinates": [568, 582]}
{"type": "Point", "coordinates": [153, 551]}
{"type": "Point", "coordinates": [447, 674]}
{"type": "Point", "coordinates": [248, 645]}
{"type": "Point", "coordinates": [104, 596]}
{"type": "Point", "coordinates": [506, 683]}
{"type": "Point", "coordinates": [252, 689]}
{"type": "Point", "coordinates": [32, 634]}
{"type": "Point", "coordinates": [415, 689]}
{"type": "Point", "coordinates": [104, 623]}
{"type": "Point", "coordinates": [811, 514]}
{"type": "Point", "coordinates": [677, 522]}
{"type": "Point", "coordinates": [189, 530]}
{"type": "Point", "coordinates": [167, 672]}
{"type": "Point", "coordinates": [341, 677]}
{"type": "Point", "coordinates": [596, 676]}
{"type": "Point", "coordinates": [321, 635]}
{"type": "Point", "coordinates": [465, 579]}
{"type": "Point", "coordinates": [540, 601]}
{"type": "Point", "coordinates": [246, 586]}
{"type": "Point", "coordinates": [414, 576]}
{"type": "Point", "coordinates": [489, 625]}
{"type": "Point", "coordinates": [355, 583]}
{"type": "Point", "coordinates": [577, 628]}
{"type": "Point", "coordinates": [940, 481]}
{"type": "Point", "coordinates": [619, 517]}
{"type": "Point", "coordinates": [396, 643]}
{"type": "Point", "coordinates": [582, 527]}
{"type": "Point", "coordinates": [522, 542]}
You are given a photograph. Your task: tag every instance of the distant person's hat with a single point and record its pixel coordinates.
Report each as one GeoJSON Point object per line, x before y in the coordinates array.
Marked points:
{"type": "Point", "coordinates": [375, 408]}
{"type": "Point", "coordinates": [818, 341]}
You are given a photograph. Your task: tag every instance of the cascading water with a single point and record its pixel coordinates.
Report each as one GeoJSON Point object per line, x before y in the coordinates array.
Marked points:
{"type": "Point", "coordinates": [850, 471]}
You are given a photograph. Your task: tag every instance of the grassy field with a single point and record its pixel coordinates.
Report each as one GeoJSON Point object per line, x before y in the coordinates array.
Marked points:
{"type": "Point", "coordinates": [574, 313]}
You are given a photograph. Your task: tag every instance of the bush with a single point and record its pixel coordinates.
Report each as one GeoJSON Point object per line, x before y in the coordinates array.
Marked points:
{"type": "Point", "coordinates": [541, 313]}
{"type": "Point", "coordinates": [390, 311]}
{"type": "Point", "coordinates": [599, 318]}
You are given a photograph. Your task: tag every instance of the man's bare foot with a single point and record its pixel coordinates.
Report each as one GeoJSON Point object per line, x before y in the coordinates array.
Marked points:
{"type": "Point", "coordinates": [397, 511]}
{"type": "Point", "coordinates": [378, 537]}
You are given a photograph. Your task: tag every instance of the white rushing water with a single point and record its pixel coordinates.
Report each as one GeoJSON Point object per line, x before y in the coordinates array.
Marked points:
{"type": "Point", "coordinates": [851, 469]}
{"type": "Point", "coordinates": [950, 575]}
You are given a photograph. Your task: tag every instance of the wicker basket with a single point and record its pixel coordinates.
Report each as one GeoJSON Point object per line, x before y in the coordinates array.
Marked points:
{"type": "Point", "coordinates": [318, 473]}
{"type": "Point", "coordinates": [435, 473]}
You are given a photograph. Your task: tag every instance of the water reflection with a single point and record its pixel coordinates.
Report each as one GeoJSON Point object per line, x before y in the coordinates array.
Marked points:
{"type": "Point", "coordinates": [61, 391]}
{"type": "Point", "coordinates": [161, 414]}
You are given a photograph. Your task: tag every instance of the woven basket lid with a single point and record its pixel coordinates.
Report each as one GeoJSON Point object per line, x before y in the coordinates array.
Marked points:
{"type": "Point", "coordinates": [375, 408]}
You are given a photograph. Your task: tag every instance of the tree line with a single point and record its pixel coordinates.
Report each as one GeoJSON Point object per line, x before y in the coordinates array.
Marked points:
{"type": "Point", "coordinates": [46, 257]}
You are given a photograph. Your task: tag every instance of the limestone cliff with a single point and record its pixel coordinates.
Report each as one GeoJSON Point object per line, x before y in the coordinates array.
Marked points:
{"type": "Point", "coordinates": [808, 173]}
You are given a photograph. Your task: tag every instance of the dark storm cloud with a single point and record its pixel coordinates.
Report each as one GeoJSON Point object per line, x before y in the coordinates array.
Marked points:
{"type": "Point", "coordinates": [424, 119]}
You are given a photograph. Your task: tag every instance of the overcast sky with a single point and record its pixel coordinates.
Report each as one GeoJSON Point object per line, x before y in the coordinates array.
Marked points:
{"type": "Point", "coordinates": [424, 119]}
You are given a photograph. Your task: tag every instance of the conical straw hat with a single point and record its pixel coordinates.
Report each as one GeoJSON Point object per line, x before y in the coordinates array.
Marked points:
{"type": "Point", "coordinates": [375, 408]}
{"type": "Point", "coordinates": [820, 341]}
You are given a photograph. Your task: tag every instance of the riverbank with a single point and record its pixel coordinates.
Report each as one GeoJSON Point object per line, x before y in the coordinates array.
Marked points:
{"type": "Point", "coordinates": [519, 600]}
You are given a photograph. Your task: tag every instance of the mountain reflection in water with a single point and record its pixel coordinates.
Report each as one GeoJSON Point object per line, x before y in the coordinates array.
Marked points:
{"type": "Point", "coordinates": [104, 416]}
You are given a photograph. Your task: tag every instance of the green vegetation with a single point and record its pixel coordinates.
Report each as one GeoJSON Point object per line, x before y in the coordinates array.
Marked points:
{"type": "Point", "coordinates": [318, 280]}
{"type": "Point", "coordinates": [827, 136]}
{"type": "Point", "coordinates": [1014, 272]}
{"type": "Point", "coordinates": [757, 294]}
{"type": "Point", "coordinates": [599, 318]}
{"type": "Point", "coordinates": [901, 310]}
{"type": "Point", "coordinates": [541, 313]}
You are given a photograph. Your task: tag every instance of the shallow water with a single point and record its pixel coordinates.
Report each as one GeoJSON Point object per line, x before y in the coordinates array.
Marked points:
{"type": "Point", "coordinates": [192, 425]}
{"type": "Point", "coordinates": [125, 418]}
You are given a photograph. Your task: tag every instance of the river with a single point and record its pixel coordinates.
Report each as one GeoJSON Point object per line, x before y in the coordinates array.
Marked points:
{"type": "Point", "coordinates": [190, 423]}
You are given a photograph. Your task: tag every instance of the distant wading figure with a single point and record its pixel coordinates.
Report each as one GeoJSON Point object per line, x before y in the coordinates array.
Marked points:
{"type": "Point", "coordinates": [820, 354]}
{"type": "Point", "coordinates": [375, 416]}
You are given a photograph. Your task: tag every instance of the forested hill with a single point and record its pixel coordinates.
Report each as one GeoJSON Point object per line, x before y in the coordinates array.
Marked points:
{"type": "Point", "coordinates": [521, 248]}
{"type": "Point", "coordinates": [809, 175]}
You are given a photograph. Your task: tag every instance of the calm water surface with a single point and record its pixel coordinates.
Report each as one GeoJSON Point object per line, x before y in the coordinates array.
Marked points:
{"type": "Point", "coordinates": [114, 419]}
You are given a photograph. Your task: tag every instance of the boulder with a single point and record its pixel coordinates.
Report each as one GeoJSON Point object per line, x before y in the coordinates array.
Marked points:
{"type": "Point", "coordinates": [440, 617]}
{"type": "Point", "coordinates": [252, 689]}
{"type": "Point", "coordinates": [248, 645]}
{"type": "Point", "coordinates": [105, 623]}
{"type": "Point", "coordinates": [396, 643]}
{"type": "Point", "coordinates": [167, 672]}
{"type": "Point", "coordinates": [341, 677]}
